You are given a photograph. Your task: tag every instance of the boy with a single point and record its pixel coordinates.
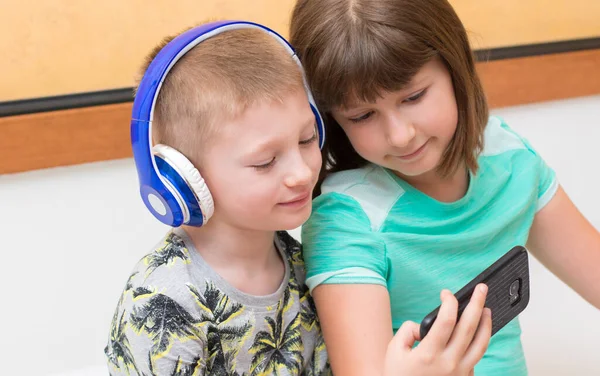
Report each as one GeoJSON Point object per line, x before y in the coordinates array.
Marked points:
{"type": "Point", "coordinates": [229, 297]}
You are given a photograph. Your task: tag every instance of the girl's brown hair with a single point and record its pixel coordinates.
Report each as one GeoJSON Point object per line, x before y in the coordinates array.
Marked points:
{"type": "Point", "coordinates": [358, 49]}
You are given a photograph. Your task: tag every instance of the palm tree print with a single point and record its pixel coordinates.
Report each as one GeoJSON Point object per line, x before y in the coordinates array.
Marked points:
{"type": "Point", "coordinates": [128, 287]}
{"type": "Point", "coordinates": [278, 347]}
{"type": "Point", "coordinates": [294, 259]}
{"type": "Point", "coordinates": [293, 286]}
{"type": "Point", "coordinates": [310, 322]}
{"type": "Point", "coordinates": [318, 354]}
{"type": "Point", "coordinates": [192, 369]}
{"type": "Point", "coordinates": [308, 310]}
{"type": "Point", "coordinates": [166, 325]}
{"type": "Point", "coordinates": [142, 291]}
{"type": "Point", "coordinates": [173, 249]}
{"type": "Point", "coordinates": [292, 248]}
{"type": "Point", "coordinates": [164, 320]}
{"type": "Point", "coordinates": [224, 338]}
{"type": "Point", "coordinates": [129, 284]}
{"type": "Point", "coordinates": [118, 349]}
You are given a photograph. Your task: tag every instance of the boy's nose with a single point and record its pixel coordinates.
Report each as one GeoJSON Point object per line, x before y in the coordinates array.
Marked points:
{"type": "Point", "coordinates": [300, 174]}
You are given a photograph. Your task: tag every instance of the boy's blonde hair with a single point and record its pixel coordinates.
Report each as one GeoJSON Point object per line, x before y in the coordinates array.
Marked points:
{"type": "Point", "coordinates": [359, 49]}
{"type": "Point", "coordinates": [217, 81]}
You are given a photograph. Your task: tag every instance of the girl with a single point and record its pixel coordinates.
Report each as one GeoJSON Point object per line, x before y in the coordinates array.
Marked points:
{"type": "Point", "coordinates": [421, 189]}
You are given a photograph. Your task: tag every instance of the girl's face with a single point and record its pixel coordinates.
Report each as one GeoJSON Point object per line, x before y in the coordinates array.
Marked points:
{"type": "Point", "coordinates": [409, 130]}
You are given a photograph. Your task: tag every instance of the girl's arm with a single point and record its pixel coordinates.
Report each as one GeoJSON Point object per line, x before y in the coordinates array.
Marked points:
{"type": "Point", "coordinates": [356, 324]}
{"type": "Point", "coordinates": [568, 245]}
{"type": "Point", "coordinates": [357, 327]}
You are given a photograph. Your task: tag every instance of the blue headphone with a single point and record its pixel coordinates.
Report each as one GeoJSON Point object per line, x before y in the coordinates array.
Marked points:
{"type": "Point", "coordinates": [170, 186]}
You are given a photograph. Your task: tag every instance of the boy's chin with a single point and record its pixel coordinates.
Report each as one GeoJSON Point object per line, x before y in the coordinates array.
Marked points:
{"type": "Point", "coordinates": [291, 223]}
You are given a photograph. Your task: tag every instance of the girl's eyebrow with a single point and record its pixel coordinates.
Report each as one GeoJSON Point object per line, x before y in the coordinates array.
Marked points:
{"type": "Point", "coordinates": [414, 83]}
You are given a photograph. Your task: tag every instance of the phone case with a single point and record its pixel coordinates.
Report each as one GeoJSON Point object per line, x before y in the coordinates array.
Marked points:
{"type": "Point", "coordinates": [508, 290]}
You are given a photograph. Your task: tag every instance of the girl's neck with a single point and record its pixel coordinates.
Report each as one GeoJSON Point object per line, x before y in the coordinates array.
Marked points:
{"type": "Point", "coordinates": [444, 189]}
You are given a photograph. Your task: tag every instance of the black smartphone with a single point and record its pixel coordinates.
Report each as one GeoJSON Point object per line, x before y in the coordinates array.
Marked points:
{"type": "Point", "coordinates": [508, 290]}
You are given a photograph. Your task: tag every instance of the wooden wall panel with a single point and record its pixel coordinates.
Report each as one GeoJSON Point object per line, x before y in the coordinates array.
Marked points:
{"type": "Point", "coordinates": [541, 78]}
{"type": "Point", "coordinates": [67, 137]}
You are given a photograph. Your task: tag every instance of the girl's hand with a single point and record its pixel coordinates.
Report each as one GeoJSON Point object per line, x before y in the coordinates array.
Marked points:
{"type": "Point", "coordinates": [450, 348]}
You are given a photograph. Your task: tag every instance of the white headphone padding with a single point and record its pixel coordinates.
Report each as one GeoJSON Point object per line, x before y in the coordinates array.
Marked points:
{"type": "Point", "coordinates": [191, 175]}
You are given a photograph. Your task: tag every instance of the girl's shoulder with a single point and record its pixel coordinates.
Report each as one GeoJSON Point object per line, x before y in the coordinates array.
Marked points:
{"type": "Point", "coordinates": [499, 138]}
{"type": "Point", "coordinates": [365, 194]}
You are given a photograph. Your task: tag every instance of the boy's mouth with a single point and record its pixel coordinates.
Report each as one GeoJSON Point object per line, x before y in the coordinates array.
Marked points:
{"type": "Point", "coordinates": [297, 200]}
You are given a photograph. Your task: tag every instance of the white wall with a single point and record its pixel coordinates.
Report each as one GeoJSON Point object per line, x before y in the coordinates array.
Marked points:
{"type": "Point", "coordinates": [562, 331]}
{"type": "Point", "coordinates": [71, 235]}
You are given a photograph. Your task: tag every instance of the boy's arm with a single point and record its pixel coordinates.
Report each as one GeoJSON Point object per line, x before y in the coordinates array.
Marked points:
{"type": "Point", "coordinates": [568, 245]}
{"type": "Point", "coordinates": [356, 323]}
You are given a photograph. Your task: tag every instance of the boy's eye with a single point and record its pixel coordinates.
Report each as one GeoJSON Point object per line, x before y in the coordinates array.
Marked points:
{"type": "Point", "coordinates": [264, 166]}
{"type": "Point", "coordinates": [362, 117]}
{"type": "Point", "coordinates": [415, 97]}
{"type": "Point", "coordinates": [312, 139]}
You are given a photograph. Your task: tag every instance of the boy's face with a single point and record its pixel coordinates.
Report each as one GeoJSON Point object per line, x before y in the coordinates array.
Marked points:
{"type": "Point", "coordinates": [261, 168]}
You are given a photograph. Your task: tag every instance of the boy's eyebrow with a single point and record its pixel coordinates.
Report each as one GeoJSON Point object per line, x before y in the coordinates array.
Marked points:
{"type": "Point", "coordinates": [264, 146]}
{"type": "Point", "coordinates": [261, 148]}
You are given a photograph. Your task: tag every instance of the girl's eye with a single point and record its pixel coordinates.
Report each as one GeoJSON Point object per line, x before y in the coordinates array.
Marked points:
{"type": "Point", "coordinates": [265, 165]}
{"type": "Point", "coordinates": [310, 140]}
{"type": "Point", "coordinates": [361, 118]}
{"type": "Point", "coordinates": [415, 97]}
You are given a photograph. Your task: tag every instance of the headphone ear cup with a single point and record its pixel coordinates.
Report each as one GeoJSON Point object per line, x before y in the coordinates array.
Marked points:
{"type": "Point", "coordinates": [320, 125]}
{"type": "Point", "coordinates": [193, 180]}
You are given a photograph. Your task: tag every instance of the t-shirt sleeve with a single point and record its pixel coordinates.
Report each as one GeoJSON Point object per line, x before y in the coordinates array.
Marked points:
{"type": "Point", "coordinates": [339, 245]}
{"type": "Point", "coordinates": [547, 180]}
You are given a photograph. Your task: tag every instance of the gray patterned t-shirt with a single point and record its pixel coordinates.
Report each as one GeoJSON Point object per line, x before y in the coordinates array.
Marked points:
{"type": "Point", "coordinates": [177, 316]}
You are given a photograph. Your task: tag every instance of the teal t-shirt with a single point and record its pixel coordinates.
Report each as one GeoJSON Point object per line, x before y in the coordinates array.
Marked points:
{"type": "Point", "coordinates": [371, 227]}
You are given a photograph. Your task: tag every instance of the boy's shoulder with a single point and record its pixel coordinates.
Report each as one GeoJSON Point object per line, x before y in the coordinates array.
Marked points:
{"type": "Point", "coordinates": [156, 305]}
{"type": "Point", "coordinates": [290, 247]}
{"type": "Point", "coordinates": [292, 251]}
{"type": "Point", "coordinates": [164, 264]}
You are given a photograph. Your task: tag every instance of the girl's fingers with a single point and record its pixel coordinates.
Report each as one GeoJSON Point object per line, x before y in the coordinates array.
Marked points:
{"type": "Point", "coordinates": [466, 327]}
{"type": "Point", "coordinates": [441, 330]}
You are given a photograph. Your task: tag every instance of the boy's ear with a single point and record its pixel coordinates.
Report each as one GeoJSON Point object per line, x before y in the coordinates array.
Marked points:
{"type": "Point", "coordinates": [187, 181]}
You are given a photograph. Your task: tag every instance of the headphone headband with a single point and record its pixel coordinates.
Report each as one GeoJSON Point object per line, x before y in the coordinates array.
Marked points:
{"type": "Point", "coordinates": [162, 195]}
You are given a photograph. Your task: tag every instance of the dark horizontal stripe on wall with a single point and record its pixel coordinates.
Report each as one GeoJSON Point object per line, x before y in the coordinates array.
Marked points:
{"type": "Point", "coordinates": [537, 49]}
{"type": "Point", "coordinates": [65, 102]}
{"type": "Point", "coordinates": [99, 98]}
